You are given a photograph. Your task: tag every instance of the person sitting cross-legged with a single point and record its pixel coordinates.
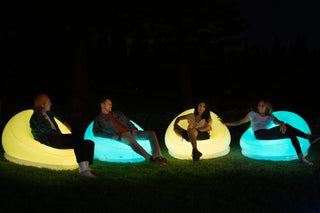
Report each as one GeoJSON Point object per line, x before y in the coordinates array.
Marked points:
{"type": "Point", "coordinates": [115, 125]}
{"type": "Point", "coordinates": [199, 125]}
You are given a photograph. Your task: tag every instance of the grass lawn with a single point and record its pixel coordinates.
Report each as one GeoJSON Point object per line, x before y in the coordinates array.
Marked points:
{"type": "Point", "coordinates": [232, 183]}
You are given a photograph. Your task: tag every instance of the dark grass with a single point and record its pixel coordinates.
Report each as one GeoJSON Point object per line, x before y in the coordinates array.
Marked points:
{"type": "Point", "coordinates": [232, 183]}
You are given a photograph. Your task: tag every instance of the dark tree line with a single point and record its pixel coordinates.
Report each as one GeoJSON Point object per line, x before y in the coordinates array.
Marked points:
{"type": "Point", "coordinates": [89, 49]}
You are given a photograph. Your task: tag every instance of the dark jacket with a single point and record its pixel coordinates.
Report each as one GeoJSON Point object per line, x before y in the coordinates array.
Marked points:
{"type": "Point", "coordinates": [41, 128]}
{"type": "Point", "coordinates": [103, 126]}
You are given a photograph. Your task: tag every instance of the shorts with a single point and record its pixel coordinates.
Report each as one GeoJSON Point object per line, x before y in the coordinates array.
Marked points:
{"type": "Point", "coordinates": [201, 135]}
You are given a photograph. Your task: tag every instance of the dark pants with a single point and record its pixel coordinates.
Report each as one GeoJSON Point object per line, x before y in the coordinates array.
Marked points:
{"type": "Point", "coordinates": [83, 149]}
{"type": "Point", "coordinates": [201, 135]}
{"type": "Point", "coordinates": [275, 133]}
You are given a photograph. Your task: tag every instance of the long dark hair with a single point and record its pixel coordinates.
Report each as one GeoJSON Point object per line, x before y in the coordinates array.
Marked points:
{"type": "Point", "coordinates": [206, 113]}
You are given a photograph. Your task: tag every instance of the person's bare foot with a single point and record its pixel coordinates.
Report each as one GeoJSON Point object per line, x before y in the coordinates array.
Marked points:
{"type": "Point", "coordinates": [304, 160]}
{"type": "Point", "coordinates": [87, 173]}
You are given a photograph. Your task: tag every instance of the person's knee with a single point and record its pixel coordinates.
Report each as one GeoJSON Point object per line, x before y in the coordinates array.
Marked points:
{"type": "Point", "coordinates": [193, 131]}
{"type": "Point", "coordinates": [149, 132]}
{"type": "Point", "coordinates": [290, 129]}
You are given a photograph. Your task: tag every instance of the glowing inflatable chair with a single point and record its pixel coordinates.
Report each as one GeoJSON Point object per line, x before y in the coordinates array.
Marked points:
{"type": "Point", "coordinates": [111, 150]}
{"type": "Point", "coordinates": [217, 145]}
{"type": "Point", "coordinates": [276, 150]}
{"type": "Point", "coordinates": [20, 146]}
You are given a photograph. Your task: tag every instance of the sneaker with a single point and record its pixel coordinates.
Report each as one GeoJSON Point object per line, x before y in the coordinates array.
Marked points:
{"type": "Point", "coordinates": [196, 154]}
{"type": "Point", "coordinates": [87, 173]}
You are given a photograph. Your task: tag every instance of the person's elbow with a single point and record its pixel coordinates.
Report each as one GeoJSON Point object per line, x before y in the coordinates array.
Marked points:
{"type": "Point", "coordinates": [96, 132]}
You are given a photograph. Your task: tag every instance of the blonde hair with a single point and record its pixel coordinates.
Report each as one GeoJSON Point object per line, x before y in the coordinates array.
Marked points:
{"type": "Point", "coordinates": [269, 108]}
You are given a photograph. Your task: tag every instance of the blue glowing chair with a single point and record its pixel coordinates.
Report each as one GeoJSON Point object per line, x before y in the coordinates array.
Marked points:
{"type": "Point", "coordinates": [111, 150]}
{"type": "Point", "coordinates": [276, 150]}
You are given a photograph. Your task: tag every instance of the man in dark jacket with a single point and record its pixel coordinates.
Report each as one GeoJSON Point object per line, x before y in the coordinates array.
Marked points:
{"type": "Point", "coordinates": [45, 130]}
{"type": "Point", "coordinates": [115, 125]}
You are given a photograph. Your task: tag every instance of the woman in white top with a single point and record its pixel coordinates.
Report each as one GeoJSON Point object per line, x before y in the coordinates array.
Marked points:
{"type": "Point", "coordinates": [199, 124]}
{"type": "Point", "coordinates": [261, 121]}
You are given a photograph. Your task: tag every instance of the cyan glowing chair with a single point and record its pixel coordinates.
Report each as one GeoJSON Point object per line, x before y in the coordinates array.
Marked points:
{"type": "Point", "coordinates": [217, 145]}
{"type": "Point", "coordinates": [111, 150]}
{"type": "Point", "coordinates": [276, 150]}
{"type": "Point", "coordinates": [20, 146]}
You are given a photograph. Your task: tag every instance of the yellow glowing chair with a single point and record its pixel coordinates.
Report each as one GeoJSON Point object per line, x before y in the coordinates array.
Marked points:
{"type": "Point", "coordinates": [20, 146]}
{"type": "Point", "coordinates": [217, 145]}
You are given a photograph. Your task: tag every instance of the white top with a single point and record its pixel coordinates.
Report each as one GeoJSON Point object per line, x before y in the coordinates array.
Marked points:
{"type": "Point", "coordinates": [260, 122]}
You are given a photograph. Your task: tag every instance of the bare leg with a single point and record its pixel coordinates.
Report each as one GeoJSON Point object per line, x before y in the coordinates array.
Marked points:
{"type": "Point", "coordinates": [193, 133]}
{"type": "Point", "coordinates": [304, 160]}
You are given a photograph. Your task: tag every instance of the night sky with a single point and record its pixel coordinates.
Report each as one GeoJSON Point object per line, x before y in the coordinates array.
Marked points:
{"type": "Point", "coordinates": [161, 57]}
{"type": "Point", "coordinates": [286, 19]}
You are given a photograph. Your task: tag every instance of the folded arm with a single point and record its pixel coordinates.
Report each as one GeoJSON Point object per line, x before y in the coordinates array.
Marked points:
{"type": "Point", "coordinates": [98, 132]}
{"type": "Point", "coordinates": [206, 128]}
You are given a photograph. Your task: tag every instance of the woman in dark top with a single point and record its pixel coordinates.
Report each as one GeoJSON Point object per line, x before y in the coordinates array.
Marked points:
{"type": "Point", "coordinates": [45, 130]}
